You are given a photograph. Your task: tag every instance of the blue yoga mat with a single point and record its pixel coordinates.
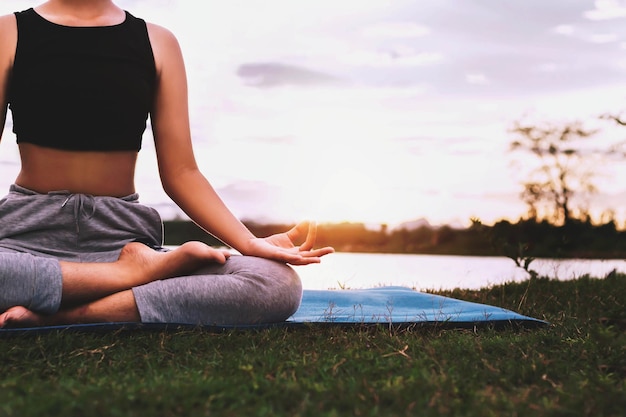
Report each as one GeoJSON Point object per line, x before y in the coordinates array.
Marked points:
{"type": "Point", "coordinates": [396, 306]}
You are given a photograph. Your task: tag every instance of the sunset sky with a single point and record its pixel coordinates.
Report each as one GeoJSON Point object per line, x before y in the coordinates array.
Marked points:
{"type": "Point", "coordinates": [381, 111]}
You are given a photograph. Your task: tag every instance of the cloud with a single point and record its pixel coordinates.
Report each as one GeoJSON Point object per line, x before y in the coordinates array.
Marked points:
{"type": "Point", "coordinates": [606, 10]}
{"type": "Point", "coordinates": [264, 202]}
{"type": "Point", "coordinates": [597, 38]}
{"type": "Point", "coordinates": [564, 30]}
{"type": "Point", "coordinates": [476, 78]}
{"type": "Point", "coordinates": [273, 74]}
{"type": "Point", "coordinates": [603, 37]}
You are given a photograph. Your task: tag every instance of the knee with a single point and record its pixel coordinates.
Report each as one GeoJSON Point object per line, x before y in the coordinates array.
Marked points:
{"type": "Point", "coordinates": [286, 286]}
{"type": "Point", "coordinates": [292, 285]}
{"type": "Point", "coordinates": [282, 288]}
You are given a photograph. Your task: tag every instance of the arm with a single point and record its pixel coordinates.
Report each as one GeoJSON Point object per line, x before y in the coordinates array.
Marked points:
{"type": "Point", "coordinates": [8, 43]}
{"type": "Point", "coordinates": [186, 185]}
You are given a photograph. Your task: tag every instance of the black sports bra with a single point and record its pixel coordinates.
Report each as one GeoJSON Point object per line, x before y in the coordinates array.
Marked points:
{"type": "Point", "coordinates": [81, 88]}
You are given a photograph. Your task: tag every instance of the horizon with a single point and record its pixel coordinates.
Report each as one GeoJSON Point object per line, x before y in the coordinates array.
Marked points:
{"type": "Point", "coordinates": [378, 113]}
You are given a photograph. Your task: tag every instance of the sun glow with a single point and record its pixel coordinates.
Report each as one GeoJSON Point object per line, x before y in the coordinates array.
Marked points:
{"type": "Point", "coordinates": [347, 194]}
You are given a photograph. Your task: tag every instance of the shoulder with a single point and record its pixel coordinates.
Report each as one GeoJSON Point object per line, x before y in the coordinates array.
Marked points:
{"type": "Point", "coordinates": [8, 46]}
{"type": "Point", "coordinates": [8, 25]}
{"type": "Point", "coordinates": [8, 37]}
{"type": "Point", "coordinates": [165, 46]}
{"type": "Point", "coordinates": [161, 38]}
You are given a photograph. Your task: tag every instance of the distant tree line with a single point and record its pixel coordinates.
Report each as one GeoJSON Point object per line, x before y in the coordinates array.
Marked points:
{"type": "Point", "coordinates": [524, 239]}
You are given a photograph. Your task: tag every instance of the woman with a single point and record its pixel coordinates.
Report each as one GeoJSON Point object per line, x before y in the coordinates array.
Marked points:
{"type": "Point", "coordinates": [81, 78]}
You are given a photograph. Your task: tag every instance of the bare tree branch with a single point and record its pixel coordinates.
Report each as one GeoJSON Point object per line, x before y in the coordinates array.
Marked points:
{"type": "Point", "coordinates": [560, 175]}
{"type": "Point", "coordinates": [616, 118]}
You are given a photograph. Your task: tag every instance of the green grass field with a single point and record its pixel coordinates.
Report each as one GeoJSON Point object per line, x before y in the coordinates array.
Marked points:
{"type": "Point", "coordinates": [574, 367]}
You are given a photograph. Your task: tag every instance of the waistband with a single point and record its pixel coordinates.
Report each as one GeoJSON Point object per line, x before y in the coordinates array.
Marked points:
{"type": "Point", "coordinates": [25, 191]}
{"type": "Point", "coordinates": [84, 205]}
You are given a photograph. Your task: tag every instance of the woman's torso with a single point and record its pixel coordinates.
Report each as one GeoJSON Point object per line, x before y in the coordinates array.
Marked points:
{"type": "Point", "coordinates": [97, 172]}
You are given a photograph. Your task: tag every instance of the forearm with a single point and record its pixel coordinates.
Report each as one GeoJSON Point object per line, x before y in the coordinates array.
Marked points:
{"type": "Point", "coordinates": [191, 191]}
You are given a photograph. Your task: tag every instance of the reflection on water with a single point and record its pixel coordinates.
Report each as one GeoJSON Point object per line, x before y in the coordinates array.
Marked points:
{"type": "Point", "coordinates": [434, 272]}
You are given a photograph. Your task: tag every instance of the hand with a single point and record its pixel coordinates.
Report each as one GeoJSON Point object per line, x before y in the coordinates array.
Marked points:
{"type": "Point", "coordinates": [283, 246]}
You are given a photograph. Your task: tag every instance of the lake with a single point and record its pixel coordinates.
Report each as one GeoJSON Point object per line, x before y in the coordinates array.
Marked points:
{"type": "Point", "coordinates": [434, 272]}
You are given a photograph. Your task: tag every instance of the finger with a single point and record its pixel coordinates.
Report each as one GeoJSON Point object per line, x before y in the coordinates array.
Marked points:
{"type": "Point", "coordinates": [296, 259]}
{"type": "Point", "coordinates": [310, 237]}
{"type": "Point", "coordinates": [295, 233]}
{"type": "Point", "coordinates": [305, 261]}
{"type": "Point", "coordinates": [285, 256]}
{"type": "Point", "coordinates": [317, 253]}
{"type": "Point", "coordinates": [300, 258]}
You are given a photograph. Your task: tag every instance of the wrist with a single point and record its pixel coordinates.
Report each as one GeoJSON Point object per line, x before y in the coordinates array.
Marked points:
{"type": "Point", "coordinates": [246, 246]}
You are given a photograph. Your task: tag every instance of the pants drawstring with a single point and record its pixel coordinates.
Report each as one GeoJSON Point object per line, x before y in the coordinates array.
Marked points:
{"type": "Point", "coordinates": [79, 207]}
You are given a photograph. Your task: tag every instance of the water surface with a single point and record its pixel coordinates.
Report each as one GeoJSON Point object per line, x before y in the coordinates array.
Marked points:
{"type": "Point", "coordinates": [434, 272]}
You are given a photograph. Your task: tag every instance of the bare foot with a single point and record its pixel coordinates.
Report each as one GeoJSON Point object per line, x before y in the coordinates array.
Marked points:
{"type": "Point", "coordinates": [20, 317]}
{"type": "Point", "coordinates": [146, 265]}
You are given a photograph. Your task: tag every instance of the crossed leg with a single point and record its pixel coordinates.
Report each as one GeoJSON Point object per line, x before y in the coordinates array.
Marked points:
{"type": "Point", "coordinates": [137, 265]}
{"type": "Point", "coordinates": [118, 307]}
{"type": "Point", "coordinates": [101, 291]}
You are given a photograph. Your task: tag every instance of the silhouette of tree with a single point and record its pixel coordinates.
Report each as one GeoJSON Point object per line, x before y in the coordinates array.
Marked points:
{"type": "Point", "coordinates": [620, 119]}
{"type": "Point", "coordinates": [562, 155]}
{"type": "Point", "coordinates": [617, 118]}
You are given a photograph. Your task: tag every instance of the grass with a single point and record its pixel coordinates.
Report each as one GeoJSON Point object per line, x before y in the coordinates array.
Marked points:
{"type": "Point", "coordinates": [574, 367]}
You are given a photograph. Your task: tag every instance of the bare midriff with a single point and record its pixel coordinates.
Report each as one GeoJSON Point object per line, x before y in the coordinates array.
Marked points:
{"type": "Point", "coordinates": [87, 172]}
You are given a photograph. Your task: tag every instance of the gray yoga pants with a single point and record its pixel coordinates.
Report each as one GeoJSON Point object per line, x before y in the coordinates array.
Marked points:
{"type": "Point", "coordinates": [39, 230]}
